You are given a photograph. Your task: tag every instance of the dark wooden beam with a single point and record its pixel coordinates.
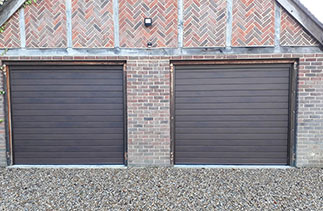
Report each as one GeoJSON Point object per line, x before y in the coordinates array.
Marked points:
{"type": "Point", "coordinates": [8, 9]}
{"type": "Point", "coordinates": [304, 18]}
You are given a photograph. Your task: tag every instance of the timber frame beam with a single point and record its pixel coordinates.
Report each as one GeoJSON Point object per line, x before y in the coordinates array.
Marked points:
{"type": "Point", "coordinates": [8, 9]}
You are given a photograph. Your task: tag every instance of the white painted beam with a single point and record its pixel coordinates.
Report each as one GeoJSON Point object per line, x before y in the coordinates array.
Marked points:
{"type": "Point", "coordinates": [116, 23]}
{"type": "Point", "coordinates": [180, 23]}
{"type": "Point", "coordinates": [22, 28]}
{"type": "Point", "coordinates": [68, 6]}
{"type": "Point", "coordinates": [277, 26]}
{"type": "Point", "coordinates": [228, 42]}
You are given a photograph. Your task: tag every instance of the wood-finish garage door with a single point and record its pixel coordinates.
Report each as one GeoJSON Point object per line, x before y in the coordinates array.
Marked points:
{"type": "Point", "coordinates": [67, 114]}
{"type": "Point", "coordinates": [231, 114]}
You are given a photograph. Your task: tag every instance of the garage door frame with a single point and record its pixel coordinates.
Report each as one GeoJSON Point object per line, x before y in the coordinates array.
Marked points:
{"type": "Point", "coordinates": [292, 97]}
{"type": "Point", "coordinates": [8, 105]}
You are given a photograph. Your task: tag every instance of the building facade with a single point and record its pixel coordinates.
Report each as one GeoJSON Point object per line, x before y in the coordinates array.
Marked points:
{"type": "Point", "coordinates": [209, 82]}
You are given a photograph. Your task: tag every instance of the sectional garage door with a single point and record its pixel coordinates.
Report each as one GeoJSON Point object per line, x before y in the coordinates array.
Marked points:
{"type": "Point", "coordinates": [231, 114]}
{"type": "Point", "coordinates": [67, 114]}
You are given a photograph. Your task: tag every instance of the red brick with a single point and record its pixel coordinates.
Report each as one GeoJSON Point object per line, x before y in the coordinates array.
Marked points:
{"type": "Point", "coordinates": [10, 38]}
{"type": "Point", "coordinates": [247, 31]}
{"type": "Point", "coordinates": [163, 32]}
{"type": "Point", "coordinates": [92, 28]}
{"type": "Point", "coordinates": [46, 24]}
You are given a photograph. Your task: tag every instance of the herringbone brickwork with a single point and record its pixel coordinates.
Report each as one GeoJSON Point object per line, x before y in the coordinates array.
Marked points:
{"type": "Point", "coordinates": [46, 24]}
{"type": "Point", "coordinates": [163, 32]}
{"type": "Point", "coordinates": [92, 23]}
{"type": "Point", "coordinates": [204, 23]}
{"type": "Point", "coordinates": [293, 34]}
{"type": "Point", "coordinates": [10, 38]}
{"type": "Point", "coordinates": [253, 23]}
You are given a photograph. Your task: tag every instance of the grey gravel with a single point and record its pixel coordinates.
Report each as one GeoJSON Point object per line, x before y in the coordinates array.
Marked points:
{"type": "Point", "coordinates": [161, 189]}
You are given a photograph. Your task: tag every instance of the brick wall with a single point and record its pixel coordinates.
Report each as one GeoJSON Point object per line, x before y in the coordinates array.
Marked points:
{"type": "Point", "coordinates": [292, 34]}
{"type": "Point", "coordinates": [10, 38]}
{"type": "Point", "coordinates": [46, 24]}
{"type": "Point", "coordinates": [148, 90]}
{"type": "Point", "coordinates": [163, 32]}
{"type": "Point", "coordinates": [92, 24]}
{"type": "Point", "coordinates": [204, 23]}
{"type": "Point", "coordinates": [310, 111]}
{"type": "Point", "coordinates": [253, 23]}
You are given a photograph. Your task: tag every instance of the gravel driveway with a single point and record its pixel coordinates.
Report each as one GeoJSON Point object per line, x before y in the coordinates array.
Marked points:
{"type": "Point", "coordinates": [161, 189]}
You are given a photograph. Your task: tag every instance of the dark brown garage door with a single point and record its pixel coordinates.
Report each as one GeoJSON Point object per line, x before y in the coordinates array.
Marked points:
{"type": "Point", "coordinates": [236, 114]}
{"type": "Point", "coordinates": [67, 114]}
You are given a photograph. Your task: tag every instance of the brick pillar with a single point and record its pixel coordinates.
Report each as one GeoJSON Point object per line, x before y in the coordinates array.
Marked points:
{"type": "Point", "coordinates": [148, 94]}
{"type": "Point", "coordinates": [310, 112]}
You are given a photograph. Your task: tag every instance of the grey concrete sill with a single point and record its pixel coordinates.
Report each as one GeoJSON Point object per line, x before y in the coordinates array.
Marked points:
{"type": "Point", "coordinates": [68, 166]}
{"type": "Point", "coordinates": [235, 166]}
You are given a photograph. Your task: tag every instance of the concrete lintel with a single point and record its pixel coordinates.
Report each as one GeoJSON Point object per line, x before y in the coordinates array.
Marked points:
{"type": "Point", "coordinates": [155, 51]}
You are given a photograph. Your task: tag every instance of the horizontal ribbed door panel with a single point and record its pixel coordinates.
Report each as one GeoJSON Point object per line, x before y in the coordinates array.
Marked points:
{"type": "Point", "coordinates": [231, 114]}
{"type": "Point", "coordinates": [67, 114]}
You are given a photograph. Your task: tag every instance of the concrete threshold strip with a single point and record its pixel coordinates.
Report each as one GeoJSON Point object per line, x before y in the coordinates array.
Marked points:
{"type": "Point", "coordinates": [125, 167]}
{"type": "Point", "coordinates": [234, 166]}
{"type": "Point", "coordinates": [68, 166]}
